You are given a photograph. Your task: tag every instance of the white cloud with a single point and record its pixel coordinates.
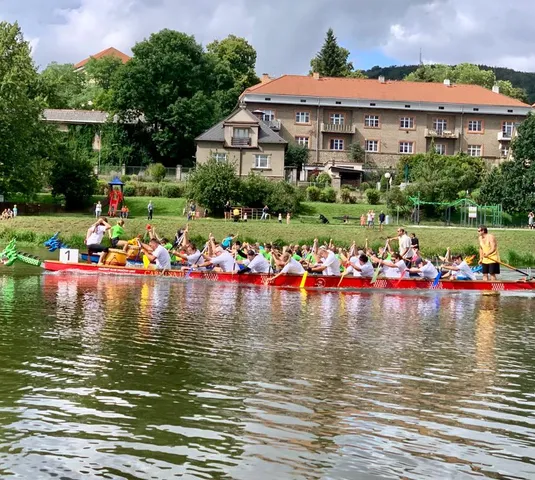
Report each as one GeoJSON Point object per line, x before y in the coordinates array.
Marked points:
{"type": "Point", "coordinates": [287, 34]}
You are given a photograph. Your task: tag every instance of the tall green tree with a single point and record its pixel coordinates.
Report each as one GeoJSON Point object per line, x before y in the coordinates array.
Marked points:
{"type": "Point", "coordinates": [61, 86]}
{"type": "Point", "coordinates": [233, 70]}
{"type": "Point", "coordinates": [465, 73]}
{"type": "Point", "coordinates": [333, 60]}
{"type": "Point", "coordinates": [168, 82]}
{"type": "Point", "coordinates": [71, 175]}
{"type": "Point", "coordinates": [512, 184]}
{"type": "Point", "coordinates": [23, 155]}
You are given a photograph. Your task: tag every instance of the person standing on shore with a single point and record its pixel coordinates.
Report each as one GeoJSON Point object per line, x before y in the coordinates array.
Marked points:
{"type": "Point", "coordinates": [405, 246]}
{"type": "Point", "coordinates": [98, 209]}
{"type": "Point", "coordinates": [531, 220]}
{"type": "Point", "coordinates": [489, 258]}
{"type": "Point", "coordinates": [265, 213]}
{"type": "Point", "coordinates": [15, 211]}
{"type": "Point", "coordinates": [150, 210]}
{"type": "Point", "coordinates": [382, 218]}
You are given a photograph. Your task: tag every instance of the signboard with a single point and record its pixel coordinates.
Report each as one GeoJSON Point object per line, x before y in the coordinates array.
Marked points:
{"type": "Point", "coordinates": [472, 212]}
{"type": "Point", "coordinates": [68, 255]}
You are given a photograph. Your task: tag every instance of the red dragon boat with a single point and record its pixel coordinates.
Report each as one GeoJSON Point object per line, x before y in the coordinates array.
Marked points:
{"type": "Point", "coordinates": [290, 281]}
{"type": "Point", "coordinates": [308, 282]}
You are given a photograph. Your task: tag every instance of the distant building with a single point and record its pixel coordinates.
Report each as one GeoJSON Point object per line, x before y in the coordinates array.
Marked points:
{"type": "Point", "coordinates": [246, 141]}
{"type": "Point", "coordinates": [387, 118]}
{"type": "Point", "coordinates": [109, 52]}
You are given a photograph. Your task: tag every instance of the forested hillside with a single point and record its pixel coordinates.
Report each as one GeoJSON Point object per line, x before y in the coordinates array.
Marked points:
{"type": "Point", "coordinates": [525, 80]}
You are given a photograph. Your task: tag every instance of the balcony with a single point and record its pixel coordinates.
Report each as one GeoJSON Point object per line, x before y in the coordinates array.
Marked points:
{"type": "Point", "coordinates": [273, 124]}
{"type": "Point", "coordinates": [432, 133]}
{"type": "Point", "coordinates": [337, 128]}
{"type": "Point", "coordinates": [505, 136]}
{"type": "Point", "coordinates": [240, 142]}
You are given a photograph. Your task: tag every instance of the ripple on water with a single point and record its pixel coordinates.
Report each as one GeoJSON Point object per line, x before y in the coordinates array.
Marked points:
{"type": "Point", "coordinates": [125, 378]}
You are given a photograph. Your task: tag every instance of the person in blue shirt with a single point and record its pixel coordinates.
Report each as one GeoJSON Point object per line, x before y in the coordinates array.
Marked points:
{"type": "Point", "coordinates": [227, 242]}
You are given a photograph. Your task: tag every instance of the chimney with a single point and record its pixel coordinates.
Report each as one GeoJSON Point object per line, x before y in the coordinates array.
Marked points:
{"type": "Point", "coordinates": [496, 88]}
{"type": "Point", "coordinates": [315, 75]}
{"type": "Point", "coordinates": [382, 79]}
{"type": "Point", "coordinates": [265, 78]}
{"type": "Point", "coordinates": [447, 82]}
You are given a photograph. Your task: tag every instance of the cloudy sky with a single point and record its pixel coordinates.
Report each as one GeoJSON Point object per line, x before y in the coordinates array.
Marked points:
{"type": "Point", "coordinates": [287, 33]}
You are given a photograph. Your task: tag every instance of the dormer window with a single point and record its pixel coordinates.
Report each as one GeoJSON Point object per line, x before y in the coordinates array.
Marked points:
{"type": "Point", "coordinates": [241, 137]}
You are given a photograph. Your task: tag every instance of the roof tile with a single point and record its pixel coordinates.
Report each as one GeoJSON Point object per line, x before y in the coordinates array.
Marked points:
{"type": "Point", "coordinates": [109, 52]}
{"type": "Point", "coordinates": [394, 91]}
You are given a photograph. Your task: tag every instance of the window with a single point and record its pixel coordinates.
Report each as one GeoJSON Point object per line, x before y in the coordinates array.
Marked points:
{"type": "Point", "coordinates": [268, 115]}
{"type": "Point", "coordinates": [474, 150]}
{"type": "Point", "coordinates": [261, 161]}
{"type": "Point", "coordinates": [475, 126]}
{"type": "Point", "coordinates": [337, 118]}
{"type": "Point", "coordinates": [371, 145]}
{"type": "Point", "coordinates": [440, 148]}
{"type": "Point", "coordinates": [406, 122]}
{"type": "Point", "coordinates": [303, 141]}
{"type": "Point", "coordinates": [504, 151]}
{"type": "Point", "coordinates": [440, 124]}
{"type": "Point", "coordinates": [302, 117]}
{"type": "Point", "coordinates": [371, 121]}
{"type": "Point", "coordinates": [220, 157]}
{"type": "Point", "coordinates": [241, 133]}
{"type": "Point", "coordinates": [507, 129]}
{"type": "Point", "coordinates": [336, 144]}
{"type": "Point", "coordinates": [406, 147]}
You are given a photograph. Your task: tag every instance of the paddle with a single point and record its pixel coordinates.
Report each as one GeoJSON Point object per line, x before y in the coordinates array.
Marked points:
{"type": "Point", "coordinates": [515, 269]}
{"type": "Point", "coordinates": [437, 279]}
{"type": "Point", "coordinates": [303, 279]}
{"type": "Point", "coordinates": [378, 269]}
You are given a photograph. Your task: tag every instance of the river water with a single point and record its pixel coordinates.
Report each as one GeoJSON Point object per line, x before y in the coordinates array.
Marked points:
{"type": "Point", "coordinates": [103, 377]}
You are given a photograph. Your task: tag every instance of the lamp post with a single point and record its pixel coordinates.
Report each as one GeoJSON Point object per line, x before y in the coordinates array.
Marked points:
{"type": "Point", "coordinates": [388, 177]}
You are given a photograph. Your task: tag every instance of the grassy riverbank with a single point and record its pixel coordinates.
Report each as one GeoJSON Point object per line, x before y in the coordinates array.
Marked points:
{"type": "Point", "coordinates": [516, 246]}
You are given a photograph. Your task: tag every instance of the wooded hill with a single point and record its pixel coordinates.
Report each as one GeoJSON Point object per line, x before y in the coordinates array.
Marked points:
{"type": "Point", "coordinates": [525, 80]}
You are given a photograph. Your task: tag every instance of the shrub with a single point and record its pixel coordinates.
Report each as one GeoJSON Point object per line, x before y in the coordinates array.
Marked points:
{"type": "Point", "coordinates": [134, 178]}
{"type": "Point", "coordinates": [284, 198]}
{"type": "Point", "coordinates": [102, 188]}
{"type": "Point", "coordinates": [255, 191]}
{"type": "Point", "coordinates": [171, 190]}
{"type": "Point", "coordinates": [324, 179]}
{"type": "Point", "coordinates": [140, 190]}
{"type": "Point", "coordinates": [212, 184]}
{"type": "Point", "coordinates": [125, 178]}
{"type": "Point", "coordinates": [152, 190]}
{"type": "Point", "coordinates": [313, 194]}
{"type": "Point", "coordinates": [364, 186]}
{"type": "Point", "coordinates": [129, 190]}
{"type": "Point", "coordinates": [157, 172]}
{"type": "Point", "coordinates": [373, 196]}
{"type": "Point", "coordinates": [328, 195]}
{"type": "Point", "coordinates": [345, 195]}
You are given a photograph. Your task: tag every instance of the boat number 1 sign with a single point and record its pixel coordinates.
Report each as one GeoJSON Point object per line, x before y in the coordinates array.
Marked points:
{"type": "Point", "coordinates": [68, 255]}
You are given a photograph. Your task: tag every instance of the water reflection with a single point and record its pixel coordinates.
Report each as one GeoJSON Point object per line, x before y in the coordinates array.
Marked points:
{"type": "Point", "coordinates": [151, 378]}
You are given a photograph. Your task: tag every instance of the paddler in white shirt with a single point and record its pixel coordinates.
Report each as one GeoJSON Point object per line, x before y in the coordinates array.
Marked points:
{"type": "Point", "coordinates": [359, 266]}
{"type": "Point", "coordinates": [460, 269]}
{"type": "Point", "coordinates": [329, 265]}
{"type": "Point", "coordinates": [425, 269]}
{"type": "Point", "coordinates": [395, 268]}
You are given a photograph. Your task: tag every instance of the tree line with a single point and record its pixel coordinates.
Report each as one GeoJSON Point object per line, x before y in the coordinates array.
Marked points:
{"type": "Point", "coordinates": [171, 91]}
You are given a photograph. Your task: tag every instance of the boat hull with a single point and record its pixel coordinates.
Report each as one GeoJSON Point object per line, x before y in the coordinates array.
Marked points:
{"type": "Point", "coordinates": [312, 282]}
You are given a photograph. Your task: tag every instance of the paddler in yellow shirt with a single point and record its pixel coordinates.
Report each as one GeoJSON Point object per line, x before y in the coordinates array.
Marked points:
{"type": "Point", "coordinates": [489, 258]}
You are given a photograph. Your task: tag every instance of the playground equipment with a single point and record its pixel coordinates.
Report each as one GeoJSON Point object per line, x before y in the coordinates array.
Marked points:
{"type": "Point", "coordinates": [471, 213]}
{"type": "Point", "coordinates": [115, 196]}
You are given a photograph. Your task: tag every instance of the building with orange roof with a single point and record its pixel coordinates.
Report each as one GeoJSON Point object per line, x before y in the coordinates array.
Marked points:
{"type": "Point", "coordinates": [109, 52]}
{"type": "Point", "coordinates": [387, 118]}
